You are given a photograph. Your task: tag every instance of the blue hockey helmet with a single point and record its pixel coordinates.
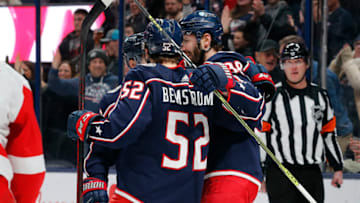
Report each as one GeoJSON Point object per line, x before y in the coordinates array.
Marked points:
{"type": "Point", "coordinates": [157, 43]}
{"type": "Point", "coordinates": [201, 22]}
{"type": "Point", "coordinates": [134, 47]}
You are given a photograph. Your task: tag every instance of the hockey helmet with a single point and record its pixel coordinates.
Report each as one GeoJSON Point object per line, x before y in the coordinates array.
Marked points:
{"type": "Point", "coordinates": [201, 22]}
{"type": "Point", "coordinates": [134, 47]}
{"type": "Point", "coordinates": [97, 53]}
{"type": "Point", "coordinates": [157, 43]}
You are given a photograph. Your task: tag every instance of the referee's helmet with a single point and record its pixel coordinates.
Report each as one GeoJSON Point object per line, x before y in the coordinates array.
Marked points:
{"type": "Point", "coordinates": [294, 50]}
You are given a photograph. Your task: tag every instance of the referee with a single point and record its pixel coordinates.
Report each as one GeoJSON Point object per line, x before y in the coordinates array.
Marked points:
{"type": "Point", "coordinates": [299, 125]}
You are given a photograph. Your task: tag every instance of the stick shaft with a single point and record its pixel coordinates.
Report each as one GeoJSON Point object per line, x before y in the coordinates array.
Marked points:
{"type": "Point", "coordinates": [96, 10]}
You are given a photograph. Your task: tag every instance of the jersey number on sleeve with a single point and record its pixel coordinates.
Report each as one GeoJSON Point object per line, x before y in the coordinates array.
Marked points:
{"type": "Point", "coordinates": [132, 89]}
{"type": "Point", "coordinates": [181, 162]}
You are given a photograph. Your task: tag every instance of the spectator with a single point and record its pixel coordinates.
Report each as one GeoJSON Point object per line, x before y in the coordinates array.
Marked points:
{"type": "Point", "coordinates": [68, 1]}
{"type": "Point", "coordinates": [267, 54]}
{"type": "Point", "coordinates": [98, 34]}
{"type": "Point", "coordinates": [240, 17]}
{"type": "Point", "coordinates": [353, 7]}
{"type": "Point", "coordinates": [230, 3]}
{"type": "Point", "coordinates": [155, 8]}
{"type": "Point", "coordinates": [300, 130]}
{"type": "Point", "coordinates": [353, 165]}
{"type": "Point", "coordinates": [66, 70]}
{"type": "Point", "coordinates": [236, 17]}
{"type": "Point", "coordinates": [10, 2]}
{"type": "Point", "coordinates": [173, 9]}
{"type": "Point", "coordinates": [275, 17]}
{"type": "Point", "coordinates": [27, 69]}
{"type": "Point", "coordinates": [347, 66]}
{"type": "Point", "coordinates": [111, 42]}
{"type": "Point", "coordinates": [177, 9]}
{"type": "Point", "coordinates": [97, 82]}
{"type": "Point", "coordinates": [295, 8]}
{"type": "Point", "coordinates": [340, 28]}
{"type": "Point", "coordinates": [355, 147]}
{"type": "Point", "coordinates": [69, 48]}
{"type": "Point", "coordinates": [129, 30]}
{"type": "Point", "coordinates": [136, 18]}
{"type": "Point", "coordinates": [56, 108]}
{"type": "Point", "coordinates": [243, 40]}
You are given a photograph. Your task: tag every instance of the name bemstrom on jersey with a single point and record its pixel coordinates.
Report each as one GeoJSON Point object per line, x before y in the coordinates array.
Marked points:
{"type": "Point", "coordinates": [186, 97]}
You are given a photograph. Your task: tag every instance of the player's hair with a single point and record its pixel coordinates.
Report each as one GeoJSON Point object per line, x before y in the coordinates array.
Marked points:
{"type": "Point", "coordinates": [164, 59]}
{"type": "Point", "coordinates": [81, 11]}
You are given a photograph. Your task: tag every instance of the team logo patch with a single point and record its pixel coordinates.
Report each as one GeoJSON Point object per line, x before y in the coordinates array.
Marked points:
{"type": "Point", "coordinates": [185, 79]}
{"type": "Point", "coordinates": [317, 113]}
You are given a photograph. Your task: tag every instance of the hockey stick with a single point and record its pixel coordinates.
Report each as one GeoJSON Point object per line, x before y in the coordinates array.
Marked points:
{"type": "Point", "coordinates": [237, 116]}
{"type": "Point", "coordinates": [95, 11]}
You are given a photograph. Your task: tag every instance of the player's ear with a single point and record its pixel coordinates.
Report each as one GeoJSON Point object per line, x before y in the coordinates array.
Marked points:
{"type": "Point", "coordinates": [257, 55]}
{"type": "Point", "coordinates": [205, 42]}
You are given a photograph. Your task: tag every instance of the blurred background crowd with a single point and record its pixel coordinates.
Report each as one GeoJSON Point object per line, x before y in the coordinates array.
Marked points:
{"type": "Point", "coordinates": [257, 28]}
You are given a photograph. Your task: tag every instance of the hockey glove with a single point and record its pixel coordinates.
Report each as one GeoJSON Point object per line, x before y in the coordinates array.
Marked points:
{"type": "Point", "coordinates": [78, 124]}
{"type": "Point", "coordinates": [95, 190]}
{"type": "Point", "coordinates": [261, 79]}
{"type": "Point", "coordinates": [209, 77]}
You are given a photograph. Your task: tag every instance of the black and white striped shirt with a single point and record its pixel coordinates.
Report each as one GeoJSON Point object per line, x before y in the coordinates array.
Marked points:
{"type": "Point", "coordinates": [299, 127]}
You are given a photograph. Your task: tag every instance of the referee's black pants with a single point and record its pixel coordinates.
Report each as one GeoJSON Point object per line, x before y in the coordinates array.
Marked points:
{"type": "Point", "coordinates": [281, 190]}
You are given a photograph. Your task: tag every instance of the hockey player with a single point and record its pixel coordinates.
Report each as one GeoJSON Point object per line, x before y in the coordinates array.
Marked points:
{"type": "Point", "coordinates": [160, 127]}
{"type": "Point", "coordinates": [134, 54]}
{"type": "Point", "coordinates": [22, 168]}
{"type": "Point", "coordinates": [134, 50]}
{"type": "Point", "coordinates": [233, 170]}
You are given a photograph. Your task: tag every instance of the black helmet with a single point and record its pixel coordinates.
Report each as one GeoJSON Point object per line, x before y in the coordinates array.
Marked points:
{"type": "Point", "coordinates": [294, 50]}
{"type": "Point", "coordinates": [97, 53]}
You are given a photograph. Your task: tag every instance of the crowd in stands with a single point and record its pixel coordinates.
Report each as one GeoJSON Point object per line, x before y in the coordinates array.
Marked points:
{"type": "Point", "coordinates": [256, 28]}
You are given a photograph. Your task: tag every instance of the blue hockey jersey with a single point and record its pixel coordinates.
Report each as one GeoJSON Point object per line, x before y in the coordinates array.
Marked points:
{"type": "Point", "coordinates": [232, 149]}
{"type": "Point", "coordinates": [108, 102]}
{"type": "Point", "coordinates": [157, 134]}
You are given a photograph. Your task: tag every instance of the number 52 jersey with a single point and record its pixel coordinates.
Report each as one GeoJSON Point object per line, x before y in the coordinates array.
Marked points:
{"type": "Point", "coordinates": [161, 124]}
